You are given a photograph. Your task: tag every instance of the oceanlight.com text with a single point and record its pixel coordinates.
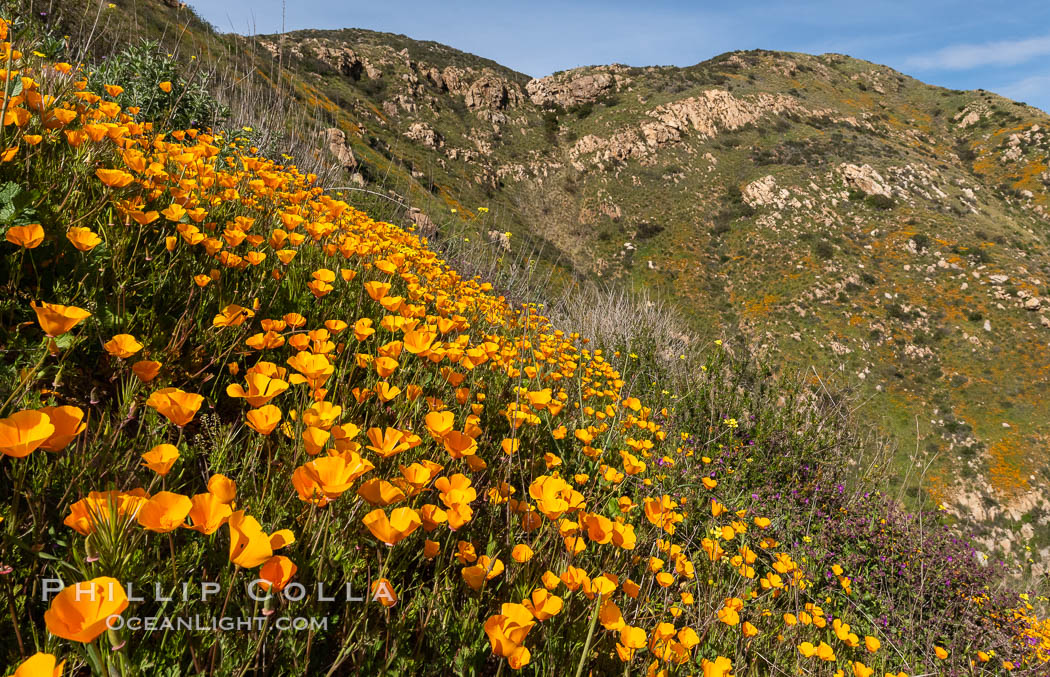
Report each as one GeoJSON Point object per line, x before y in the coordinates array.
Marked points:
{"type": "Point", "coordinates": [214, 623]}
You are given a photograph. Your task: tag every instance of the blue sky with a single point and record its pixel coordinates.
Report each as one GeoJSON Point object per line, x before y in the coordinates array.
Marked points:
{"type": "Point", "coordinates": [963, 45]}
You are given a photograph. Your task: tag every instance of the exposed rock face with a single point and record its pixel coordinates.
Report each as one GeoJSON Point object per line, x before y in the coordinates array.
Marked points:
{"type": "Point", "coordinates": [335, 139]}
{"type": "Point", "coordinates": [424, 134]}
{"type": "Point", "coordinates": [618, 148]}
{"type": "Point", "coordinates": [717, 109]}
{"type": "Point", "coordinates": [423, 222]}
{"type": "Point", "coordinates": [569, 89]}
{"type": "Point", "coordinates": [481, 90]}
{"type": "Point", "coordinates": [705, 115]}
{"type": "Point", "coordinates": [864, 179]}
{"type": "Point", "coordinates": [970, 115]}
{"type": "Point", "coordinates": [658, 134]}
{"type": "Point", "coordinates": [346, 61]}
{"type": "Point", "coordinates": [487, 92]}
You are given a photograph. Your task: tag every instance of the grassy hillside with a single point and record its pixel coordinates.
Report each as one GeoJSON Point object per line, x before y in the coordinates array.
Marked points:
{"type": "Point", "coordinates": [839, 217]}
{"type": "Point", "coordinates": [222, 379]}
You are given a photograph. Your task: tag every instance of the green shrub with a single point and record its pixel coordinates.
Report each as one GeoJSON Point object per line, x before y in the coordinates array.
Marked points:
{"type": "Point", "coordinates": [880, 201]}
{"type": "Point", "coordinates": [921, 240]}
{"type": "Point", "coordinates": [141, 69]}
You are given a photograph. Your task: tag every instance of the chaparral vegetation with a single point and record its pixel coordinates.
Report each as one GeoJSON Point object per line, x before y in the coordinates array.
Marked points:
{"type": "Point", "coordinates": [227, 393]}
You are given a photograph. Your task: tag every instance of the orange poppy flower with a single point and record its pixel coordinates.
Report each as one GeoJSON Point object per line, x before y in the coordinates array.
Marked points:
{"type": "Point", "coordinates": [176, 405]}
{"type": "Point", "coordinates": [164, 512]}
{"type": "Point", "coordinates": [314, 439]}
{"type": "Point", "coordinates": [261, 388]}
{"type": "Point", "coordinates": [507, 630]}
{"type": "Point", "coordinates": [100, 506]}
{"type": "Point", "coordinates": [83, 239]}
{"type": "Point", "coordinates": [68, 422]}
{"type": "Point", "coordinates": [161, 458]}
{"type": "Point", "coordinates": [440, 423]}
{"type": "Point", "coordinates": [401, 523]}
{"type": "Point", "coordinates": [232, 315]}
{"type": "Point", "coordinates": [23, 432]}
{"type": "Point", "coordinates": [208, 513]}
{"type": "Point", "coordinates": [458, 444]}
{"type": "Point", "coordinates": [327, 478]}
{"type": "Point", "coordinates": [122, 346]}
{"type": "Point", "coordinates": [250, 546]}
{"type": "Point", "coordinates": [264, 419]}
{"type": "Point", "coordinates": [385, 366]}
{"type": "Point", "coordinates": [363, 328]}
{"type": "Point", "coordinates": [40, 665]}
{"type": "Point", "coordinates": [146, 370]}
{"type": "Point", "coordinates": [313, 369]}
{"type": "Point", "coordinates": [418, 342]}
{"type": "Point", "coordinates": [80, 613]}
{"type": "Point", "coordinates": [276, 573]}
{"type": "Point", "coordinates": [56, 320]}
{"type": "Point", "coordinates": [391, 441]}
{"type": "Point", "coordinates": [543, 605]}
{"type": "Point", "coordinates": [322, 415]}
{"type": "Point", "coordinates": [381, 493]}
{"type": "Point", "coordinates": [28, 237]}
{"type": "Point", "coordinates": [431, 549]}
{"type": "Point", "coordinates": [377, 290]}
{"type": "Point", "coordinates": [719, 667]}
{"type": "Point", "coordinates": [114, 178]}
{"type": "Point", "coordinates": [486, 569]}
{"type": "Point", "coordinates": [223, 487]}
{"type": "Point", "coordinates": [386, 392]}
{"type": "Point", "coordinates": [383, 592]}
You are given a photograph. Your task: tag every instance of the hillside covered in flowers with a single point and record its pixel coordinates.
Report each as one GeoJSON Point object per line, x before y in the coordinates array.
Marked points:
{"type": "Point", "coordinates": [246, 429]}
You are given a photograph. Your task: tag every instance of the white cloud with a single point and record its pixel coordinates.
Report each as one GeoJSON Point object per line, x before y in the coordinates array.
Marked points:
{"type": "Point", "coordinates": [1032, 89]}
{"type": "Point", "coordinates": [967, 56]}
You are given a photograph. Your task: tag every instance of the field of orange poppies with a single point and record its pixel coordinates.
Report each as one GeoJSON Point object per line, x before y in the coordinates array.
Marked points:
{"type": "Point", "coordinates": [247, 429]}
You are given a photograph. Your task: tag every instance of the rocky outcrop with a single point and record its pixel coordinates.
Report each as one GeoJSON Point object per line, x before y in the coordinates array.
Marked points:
{"type": "Point", "coordinates": [487, 92]}
{"type": "Point", "coordinates": [345, 60]}
{"type": "Point", "coordinates": [704, 115]}
{"type": "Point", "coordinates": [570, 89]}
{"type": "Point", "coordinates": [481, 90]}
{"type": "Point", "coordinates": [765, 192]}
{"type": "Point", "coordinates": [423, 223]}
{"type": "Point", "coordinates": [618, 148]}
{"type": "Point", "coordinates": [716, 109]}
{"type": "Point", "coordinates": [864, 179]}
{"type": "Point", "coordinates": [971, 114]}
{"type": "Point", "coordinates": [335, 141]}
{"type": "Point", "coordinates": [424, 134]}
{"type": "Point", "coordinates": [658, 134]}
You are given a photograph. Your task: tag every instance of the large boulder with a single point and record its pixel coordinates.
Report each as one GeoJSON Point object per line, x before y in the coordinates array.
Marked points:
{"type": "Point", "coordinates": [335, 140]}
{"type": "Point", "coordinates": [865, 179]}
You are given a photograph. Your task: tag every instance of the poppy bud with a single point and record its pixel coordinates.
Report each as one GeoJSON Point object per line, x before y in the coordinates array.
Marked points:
{"type": "Point", "coordinates": [115, 639]}
{"type": "Point", "coordinates": [90, 549]}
